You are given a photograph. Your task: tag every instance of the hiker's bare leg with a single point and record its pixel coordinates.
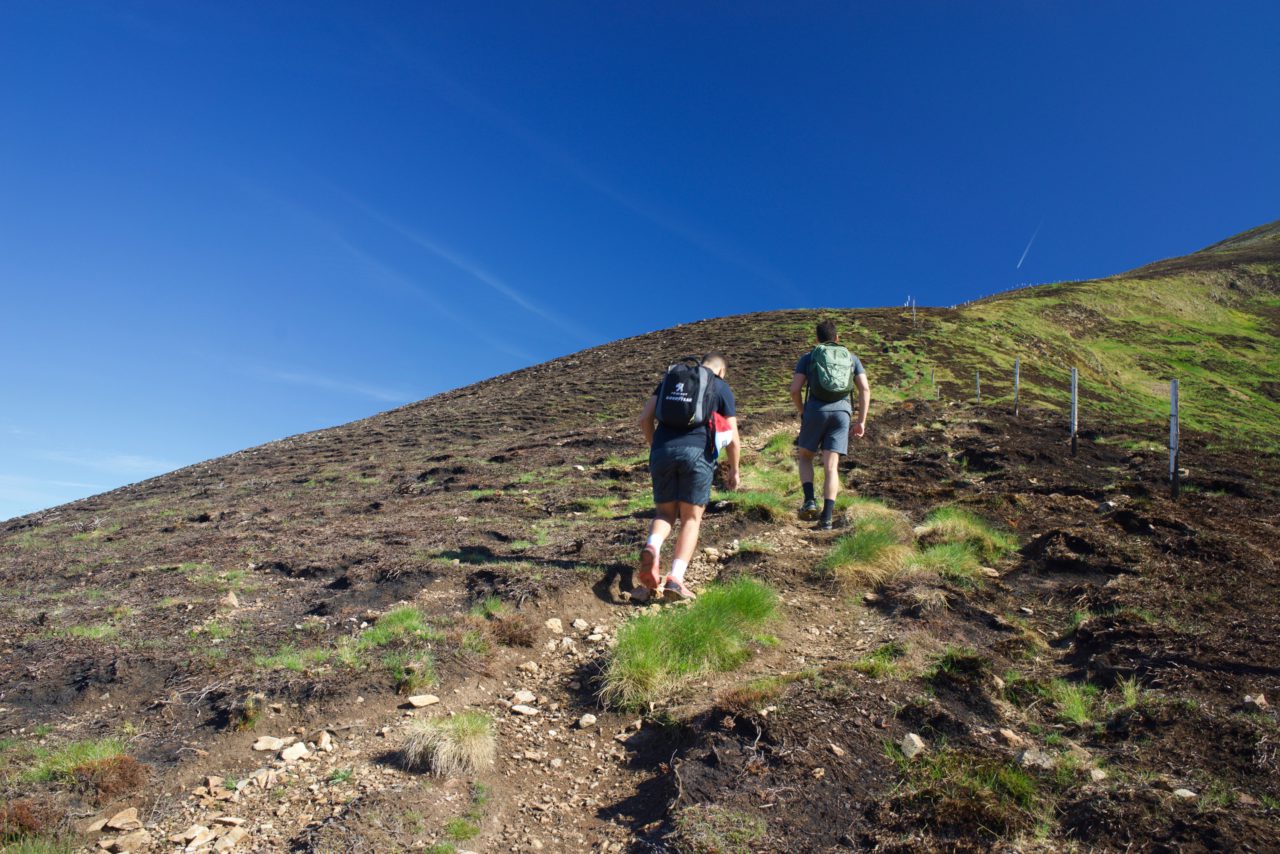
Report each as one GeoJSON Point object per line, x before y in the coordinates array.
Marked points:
{"type": "Point", "coordinates": [831, 482]}
{"type": "Point", "coordinates": [686, 541]}
{"type": "Point", "coordinates": [664, 516]}
{"type": "Point", "coordinates": [804, 462]}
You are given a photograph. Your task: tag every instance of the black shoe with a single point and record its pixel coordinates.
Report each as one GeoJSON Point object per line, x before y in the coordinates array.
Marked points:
{"type": "Point", "coordinates": [809, 511]}
{"type": "Point", "coordinates": [823, 525]}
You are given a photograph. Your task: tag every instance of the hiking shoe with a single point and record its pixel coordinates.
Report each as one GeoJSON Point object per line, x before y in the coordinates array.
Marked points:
{"type": "Point", "coordinates": [809, 511]}
{"type": "Point", "coordinates": [823, 525]}
{"type": "Point", "coordinates": [674, 590]}
{"type": "Point", "coordinates": [648, 575]}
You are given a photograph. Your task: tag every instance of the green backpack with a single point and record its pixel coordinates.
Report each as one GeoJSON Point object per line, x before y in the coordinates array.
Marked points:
{"type": "Point", "coordinates": [830, 372]}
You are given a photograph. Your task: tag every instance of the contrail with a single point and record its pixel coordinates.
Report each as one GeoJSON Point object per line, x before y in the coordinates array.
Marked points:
{"type": "Point", "coordinates": [1029, 242]}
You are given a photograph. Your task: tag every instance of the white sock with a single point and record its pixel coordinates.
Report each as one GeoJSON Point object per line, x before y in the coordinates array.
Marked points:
{"type": "Point", "coordinates": [677, 570]}
{"type": "Point", "coordinates": [656, 541]}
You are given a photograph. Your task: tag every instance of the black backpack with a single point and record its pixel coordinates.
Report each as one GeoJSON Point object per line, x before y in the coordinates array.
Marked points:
{"type": "Point", "coordinates": [684, 397]}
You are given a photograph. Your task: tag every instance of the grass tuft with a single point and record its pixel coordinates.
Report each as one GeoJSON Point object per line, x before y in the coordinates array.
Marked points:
{"type": "Point", "coordinates": [59, 764]}
{"type": "Point", "coordinates": [953, 525]}
{"type": "Point", "coordinates": [872, 555]}
{"type": "Point", "coordinates": [655, 652]}
{"type": "Point", "coordinates": [447, 747]}
{"type": "Point", "coordinates": [713, 829]}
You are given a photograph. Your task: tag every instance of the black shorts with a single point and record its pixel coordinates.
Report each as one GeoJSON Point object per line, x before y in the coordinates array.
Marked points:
{"type": "Point", "coordinates": [681, 474]}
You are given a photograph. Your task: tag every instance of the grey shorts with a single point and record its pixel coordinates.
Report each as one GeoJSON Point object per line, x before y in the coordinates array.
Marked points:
{"type": "Point", "coordinates": [828, 429]}
{"type": "Point", "coordinates": [681, 474]}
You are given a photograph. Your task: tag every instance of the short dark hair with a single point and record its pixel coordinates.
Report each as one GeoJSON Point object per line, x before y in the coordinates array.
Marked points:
{"type": "Point", "coordinates": [715, 357]}
{"type": "Point", "coordinates": [827, 332]}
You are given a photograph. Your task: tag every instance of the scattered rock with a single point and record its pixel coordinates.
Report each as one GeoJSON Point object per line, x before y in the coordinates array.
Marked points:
{"type": "Point", "coordinates": [989, 572]}
{"type": "Point", "coordinates": [295, 752]}
{"type": "Point", "coordinates": [1027, 611]}
{"type": "Point", "coordinates": [126, 819]}
{"type": "Point", "coordinates": [595, 638]}
{"type": "Point", "coordinates": [202, 836]}
{"type": "Point", "coordinates": [325, 742]}
{"type": "Point", "coordinates": [529, 667]}
{"type": "Point", "coordinates": [912, 745]}
{"type": "Point", "coordinates": [1097, 775]}
{"type": "Point", "coordinates": [819, 773]}
{"type": "Point", "coordinates": [1255, 703]}
{"type": "Point", "coordinates": [419, 701]}
{"type": "Point", "coordinates": [1012, 739]}
{"type": "Point", "coordinates": [96, 826]}
{"type": "Point", "coordinates": [231, 600]}
{"type": "Point", "coordinates": [1107, 506]}
{"type": "Point", "coordinates": [587, 720]}
{"type": "Point", "coordinates": [1033, 758]}
{"type": "Point", "coordinates": [1185, 794]}
{"type": "Point", "coordinates": [554, 625]}
{"type": "Point", "coordinates": [521, 709]}
{"type": "Point", "coordinates": [581, 625]}
{"type": "Point", "coordinates": [871, 598]}
{"type": "Point", "coordinates": [130, 842]}
{"type": "Point", "coordinates": [525, 697]}
{"type": "Point", "coordinates": [836, 749]}
{"type": "Point", "coordinates": [230, 839]}
{"type": "Point", "coordinates": [268, 743]}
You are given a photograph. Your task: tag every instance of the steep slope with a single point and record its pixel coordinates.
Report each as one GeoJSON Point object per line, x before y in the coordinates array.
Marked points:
{"type": "Point", "coordinates": [310, 584]}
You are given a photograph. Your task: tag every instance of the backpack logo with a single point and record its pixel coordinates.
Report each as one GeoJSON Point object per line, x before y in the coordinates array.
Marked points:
{"type": "Point", "coordinates": [679, 388]}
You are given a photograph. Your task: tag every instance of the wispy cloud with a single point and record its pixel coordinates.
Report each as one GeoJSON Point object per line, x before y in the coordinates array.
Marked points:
{"type": "Point", "coordinates": [331, 384]}
{"type": "Point", "coordinates": [1029, 242]}
{"type": "Point", "coordinates": [380, 272]}
{"type": "Point", "coordinates": [467, 266]}
{"type": "Point", "coordinates": [558, 156]}
{"type": "Point", "coordinates": [122, 464]}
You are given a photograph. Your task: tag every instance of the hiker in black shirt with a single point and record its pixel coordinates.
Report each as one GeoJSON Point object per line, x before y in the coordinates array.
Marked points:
{"type": "Point", "coordinates": [682, 464]}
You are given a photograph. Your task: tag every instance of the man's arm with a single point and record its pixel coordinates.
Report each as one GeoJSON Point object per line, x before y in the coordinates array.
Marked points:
{"type": "Point", "coordinates": [864, 404]}
{"type": "Point", "coordinates": [646, 419]}
{"type": "Point", "coordinates": [797, 383]}
{"type": "Point", "coordinates": [732, 452]}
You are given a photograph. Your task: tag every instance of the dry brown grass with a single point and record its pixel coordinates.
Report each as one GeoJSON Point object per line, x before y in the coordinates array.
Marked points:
{"type": "Point", "coordinates": [109, 778]}
{"type": "Point", "coordinates": [447, 747]}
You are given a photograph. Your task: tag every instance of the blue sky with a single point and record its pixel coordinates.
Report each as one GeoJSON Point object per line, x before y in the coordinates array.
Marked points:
{"type": "Point", "coordinates": [222, 223]}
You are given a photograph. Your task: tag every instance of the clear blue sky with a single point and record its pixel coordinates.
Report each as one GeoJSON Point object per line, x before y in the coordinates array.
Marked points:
{"type": "Point", "coordinates": [226, 222]}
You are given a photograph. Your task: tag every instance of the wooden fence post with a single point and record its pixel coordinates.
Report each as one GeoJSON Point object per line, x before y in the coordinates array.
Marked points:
{"type": "Point", "coordinates": [1175, 479]}
{"type": "Point", "coordinates": [1017, 374]}
{"type": "Point", "coordinates": [1075, 409]}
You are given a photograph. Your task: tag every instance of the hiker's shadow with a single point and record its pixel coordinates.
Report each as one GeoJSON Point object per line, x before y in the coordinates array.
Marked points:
{"type": "Point", "coordinates": [617, 579]}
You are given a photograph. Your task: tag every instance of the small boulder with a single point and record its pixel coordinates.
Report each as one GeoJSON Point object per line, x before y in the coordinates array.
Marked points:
{"type": "Point", "coordinates": [554, 625]}
{"type": "Point", "coordinates": [325, 742]}
{"type": "Point", "coordinates": [1185, 794]}
{"type": "Point", "coordinates": [295, 752]}
{"type": "Point", "coordinates": [581, 625]}
{"type": "Point", "coordinates": [126, 819]}
{"type": "Point", "coordinates": [419, 701]}
{"type": "Point", "coordinates": [522, 709]}
{"type": "Point", "coordinates": [1012, 739]}
{"type": "Point", "coordinates": [230, 839]}
{"type": "Point", "coordinates": [836, 749]}
{"type": "Point", "coordinates": [1255, 703]}
{"type": "Point", "coordinates": [268, 744]}
{"type": "Point", "coordinates": [1097, 775]}
{"type": "Point", "coordinates": [912, 745]}
{"type": "Point", "coordinates": [1033, 758]}
{"type": "Point", "coordinates": [525, 697]}
{"type": "Point", "coordinates": [529, 667]}
{"type": "Point", "coordinates": [130, 842]}
{"type": "Point", "coordinates": [587, 720]}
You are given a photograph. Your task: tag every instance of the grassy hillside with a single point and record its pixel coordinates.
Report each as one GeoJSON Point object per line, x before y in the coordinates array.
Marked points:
{"type": "Point", "coordinates": [1070, 645]}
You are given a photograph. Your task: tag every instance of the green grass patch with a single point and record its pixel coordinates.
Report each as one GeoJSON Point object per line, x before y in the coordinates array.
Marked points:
{"type": "Point", "coordinates": [954, 562]}
{"type": "Point", "coordinates": [1073, 701]}
{"type": "Point", "coordinates": [489, 607]}
{"type": "Point", "coordinates": [448, 746]}
{"type": "Point", "coordinates": [714, 829]}
{"type": "Point", "coordinates": [882, 663]}
{"type": "Point", "coordinates": [402, 625]}
{"type": "Point", "coordinates": [995, 795]}
{"type": "Point", "coordinates": [872, 554]}
{"type": "Point", "coordinates": [656, 652]}
{"type": "Point", "coordinates": [460, 830]}
{"type": "Point", "coordinates": [58, 764]}
{"type": "Point", "coordinates": [954, 525]}
{"type": "Point", "coordinates": [296, 660]}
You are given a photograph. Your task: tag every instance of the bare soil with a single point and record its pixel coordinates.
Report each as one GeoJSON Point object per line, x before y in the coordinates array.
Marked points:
{"type": "Point", "coordinates": [117, 623]}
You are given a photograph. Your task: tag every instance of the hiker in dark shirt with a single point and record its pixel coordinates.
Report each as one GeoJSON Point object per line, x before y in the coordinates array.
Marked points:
{"type": "Point", "coordinates": [682, 463]}
{"type": "Point", "coordinates": [826, 414]}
